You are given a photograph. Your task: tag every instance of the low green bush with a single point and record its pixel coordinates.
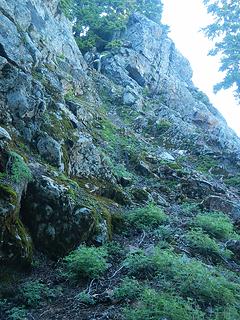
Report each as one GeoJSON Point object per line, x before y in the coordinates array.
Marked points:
{"type": "Point", "coordinates": [217, 224]}
{"type": "Point", "coordinates": [85, 298]}
{"type": "Point", "coordinates": [189, 277]}
{"type": "Point", "coordinates": [129, 289]}
{"type": "Point", "coordinates": [147, 217]}
{"type": "Point", "coordinates": [85, 262]}
{"type": "Point", "coordinates": [156, 306]}
{"type": "Point", "coordinates": [17, 313]}
{"type": "Point", "coordinates": [165, 233]}
{"type": "Point", "coordinates": [115, 250]}
{"type": "Point", "coordinates": [226, 313]}
{"type": "Point", "coordinates": [139, 264]}
{"type": "Point", "coordinates": [200, 242]}
{"type": "Point", "coordinates": [18, 169]}
{"type": "Point", "coordinates": [207, 286]}
{"type": "Point", "coordinates": [233, 181]}
{"type": "Point", "coordinates": [33, 292]}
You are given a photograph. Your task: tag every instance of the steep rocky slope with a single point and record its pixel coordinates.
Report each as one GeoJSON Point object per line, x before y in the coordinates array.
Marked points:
{"type": "Point", "coordinates": [80, 148]}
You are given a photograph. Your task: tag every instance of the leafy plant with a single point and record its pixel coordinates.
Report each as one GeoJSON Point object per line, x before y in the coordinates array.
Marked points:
{"type": "Point", "coordinates": [165, 233]}
{"type": "Point", "coordinates": [114, 44]}
{"type": "Point", "coordinates": [66, 6]}
{"type": "Point", "coordinates": [155, 306]}
{"type": "Point", "coordinates": [85, 262]}
{"type": "Point", "coordinates": [17, 313]}
{"type": "Point", "coordinates": [226, 313]}
{"type": "Point", "coordinates": [97, 22]}
{"type": "Point", "coordinates": [195, 280]}
{"type": "Point", "coordinates": [162, 126]}
{"type": "Point", "coordinates": [18, 169]}
{"type": "Point", "coordinates": [233, 181]}
{"type": "Point", "coordinates": [147, 217]}
{"type": "Point", "coordinates": [129, 289]}
{"type": "Point", "coordinates": [200, 242]}
{"type": "Point", "coordinates": [33, 292]}
{"type": "Point", "coordinates": [85, 298]}
{"type": "Point", "coordinates": [139, 264]}
{"type": "Point", "coordinates": [189, 277]}
{"type": "Point", "coordinates": [216, 224]}
{"type": "Point", "coordinates": [206, 163]}
{"type": "Point", "coordinates": [115, 250]}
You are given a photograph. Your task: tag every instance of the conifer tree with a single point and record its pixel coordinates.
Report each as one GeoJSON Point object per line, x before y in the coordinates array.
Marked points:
{"type": "Point", "coordinates": [99, 22]}
{"type": "Point", "coordinates": [225, 30]}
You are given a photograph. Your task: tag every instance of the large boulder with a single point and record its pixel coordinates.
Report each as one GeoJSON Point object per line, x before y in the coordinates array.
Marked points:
{"type": "Point", "coordinates": [60, 215]}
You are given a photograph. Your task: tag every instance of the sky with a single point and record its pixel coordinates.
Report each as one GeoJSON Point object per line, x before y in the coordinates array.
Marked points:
{"type": "Point", "coordinates": [186, 18]}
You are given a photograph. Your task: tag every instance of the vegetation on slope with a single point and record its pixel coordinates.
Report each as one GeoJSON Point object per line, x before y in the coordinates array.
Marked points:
{"type": "Point", "coordinates": [99, 23]}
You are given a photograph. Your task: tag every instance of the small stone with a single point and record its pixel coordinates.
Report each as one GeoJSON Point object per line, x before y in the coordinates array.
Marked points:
{"type": "Point", "coordinates": [4, 134]}
{"type": "Point", "coordinates": [125, 181]}
{"type": "Point", "coordinates": [141, 195]}
{"type": "Point", "coordinates": [167, 156]}
{"type": "Point", "coordinates": [51, 151]}
{"type": "Point", "coordinates": [144, 168]}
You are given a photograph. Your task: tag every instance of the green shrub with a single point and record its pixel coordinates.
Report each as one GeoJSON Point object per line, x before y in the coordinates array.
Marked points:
{"type": "Point", "coordinates": [139, 264]}
{"type": "Point", "coordinates": [114, 44]}
{"type": "Point", "coordinates": [129, 289]}
{"type": "Point", "coordinates": [189, 209]}
{"type": "Point", "coordinates": [226, 313]}
{"type": "Point", "coordinates": [188, 276]}
{"type": "Point", "coordinates": [115, 250]}
{"type": "Point", "coordinates": [86, 262]}
{"type": "Point", "coordinates": [165, 233]}
{"type": "Point", "coordinates": [192, 279]}
{"type": "Point", "coordinates": [195, 280]}
{"type": "Point", "coordinates": [18, 169]}
{"type": "Point", "coordinates": [147, 218]}
{"type": "Point", "coordinates": [33, 292]}
{"type": "Point", "coordinates": [206, 163]}
{"type": "Point", "coordinates": [233, 181]}
{"type": "Point", "coordinates": [17, 313]}
{"type": "Point", "coordinates": [200, 242]}
{"type": "Point", "coordinates": [85, 298]}
{"type": "Point", "coordinates": [162, 126]}
{"type": "Point", "coordinates": [156, 306]}
{"type": "Point", "coordinates": [217, 224]}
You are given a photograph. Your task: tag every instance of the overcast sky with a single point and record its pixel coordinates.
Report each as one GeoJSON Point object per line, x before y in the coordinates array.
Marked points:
{"type": "Point", "coordinates": [186, 18]}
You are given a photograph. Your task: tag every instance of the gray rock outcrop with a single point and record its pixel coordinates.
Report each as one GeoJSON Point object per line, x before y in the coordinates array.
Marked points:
{"type": "Point", "coordinates": [96, 142]}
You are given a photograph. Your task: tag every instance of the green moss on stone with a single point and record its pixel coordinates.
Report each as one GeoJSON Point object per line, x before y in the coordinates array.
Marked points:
{"type": "Point", "coordinates": [8, 193]}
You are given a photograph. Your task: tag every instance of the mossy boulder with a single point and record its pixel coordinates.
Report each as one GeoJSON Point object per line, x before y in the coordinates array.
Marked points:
{"type": "Point", "coordinates": [15, 242]}
{"type": "Point", "coordinates": [60, 215]}
{"type": "Point", "coordinates": [140, 194]}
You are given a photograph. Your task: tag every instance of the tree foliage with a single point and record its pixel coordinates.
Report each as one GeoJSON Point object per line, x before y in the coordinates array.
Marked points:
{"type": "Point", "coordinates": [98, 22]}
{"type": "Point", "coordinates": [225, 30]}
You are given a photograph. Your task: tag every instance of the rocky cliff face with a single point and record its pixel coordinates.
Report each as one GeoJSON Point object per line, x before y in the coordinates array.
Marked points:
{"type": "Point", "coordinates": [78, 146]}
{"type": "Point", "coordinates": [68, 121]}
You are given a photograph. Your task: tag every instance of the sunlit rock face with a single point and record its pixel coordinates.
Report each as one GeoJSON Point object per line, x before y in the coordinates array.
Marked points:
{"type": "Point", "coordinates": [97, 142]}
{"type": "Point", "coordinates": [149, 61]}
